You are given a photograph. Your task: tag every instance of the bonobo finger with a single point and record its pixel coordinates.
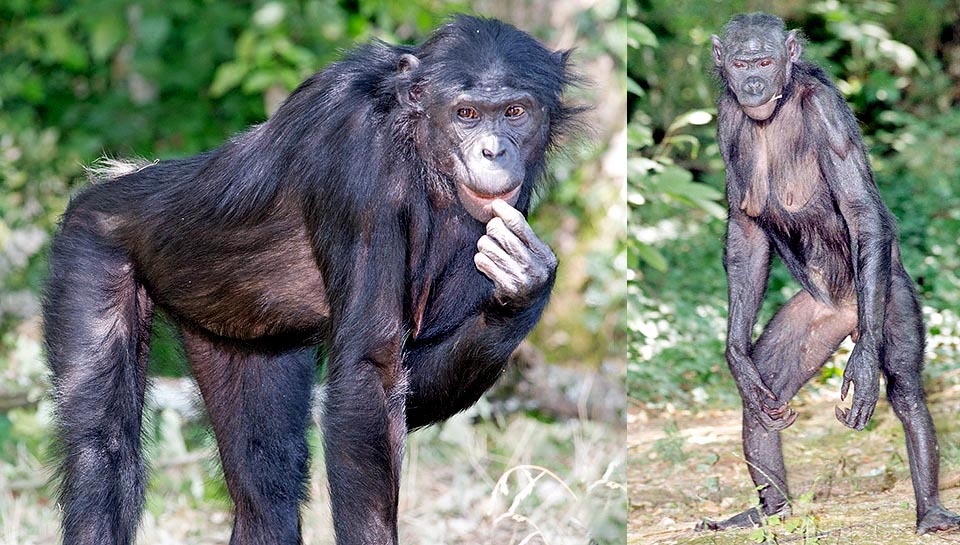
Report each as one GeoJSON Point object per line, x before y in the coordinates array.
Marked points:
{"type": "Point", "coordinates": [762, 388]}
{"type": "Point", "coordinates": [515, 221]}
{"type": "Point", "coordinates": [775, 411]}
{"type": "Point", "coordinates": [505, 284]}
{"type": "Point", "coordinates": [489, 247]}
{"type": "Point", "coordinates": [791, 418]}
{"type": "Point", "coordinates": [487, 267]}
{"type": "Point", "coordinates": [777, 424]}
{"type": "Point", "coordinates": [507, 239]}
{"type": "Point", "coordinates": [841, 414]}
{"type": "Point", "coordinates": [862, 411]}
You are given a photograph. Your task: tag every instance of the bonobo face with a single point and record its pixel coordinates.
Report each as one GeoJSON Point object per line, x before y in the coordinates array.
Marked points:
{"type": "Point", "coordinates": [493, 132]}
{"type": "Point", "coordinates": [756, 66]}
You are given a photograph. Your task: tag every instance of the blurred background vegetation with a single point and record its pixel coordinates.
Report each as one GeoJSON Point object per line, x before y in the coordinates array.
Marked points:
{"type": "Point", "coordinates": [898, 66]}
{"type": "Point", "coordinates": [169, 78]}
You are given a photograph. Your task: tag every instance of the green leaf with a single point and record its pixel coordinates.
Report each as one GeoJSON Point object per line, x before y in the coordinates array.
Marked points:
{"type": "Point", "coordinates": [639, 34]}
{"type": "Point", "coordinates": [639, 136]}
{"type": "Point", "coordinates": [107, 35]}
{"type": "Point", "coordinates": [228, 76]}
{"type": "Point", "coordinates": [651, 256]}
{"type": "Point", "coordinates": [259, 80]}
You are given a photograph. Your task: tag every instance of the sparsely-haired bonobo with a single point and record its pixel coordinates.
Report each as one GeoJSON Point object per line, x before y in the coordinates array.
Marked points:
{"type": "Point", "coordinates": [799, 183]}
{"type": "Point", "coordinates": [380, 212]}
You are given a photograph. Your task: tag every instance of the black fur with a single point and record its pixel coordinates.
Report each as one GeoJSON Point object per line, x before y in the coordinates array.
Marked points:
{"type": "Point", "coordinates": [334, 222]}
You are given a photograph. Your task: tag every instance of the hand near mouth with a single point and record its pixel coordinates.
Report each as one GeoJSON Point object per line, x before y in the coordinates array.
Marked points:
{"type": "Point", "coordinates": [510, 254]}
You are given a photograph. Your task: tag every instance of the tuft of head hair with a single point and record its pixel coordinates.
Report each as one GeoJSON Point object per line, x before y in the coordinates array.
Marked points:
{"type": "Point", "coordinates": [473, 51]}
{"type": "Point", "coordinates": [746, 25]}
{"type": "Point", "coordinates": [107, 168]}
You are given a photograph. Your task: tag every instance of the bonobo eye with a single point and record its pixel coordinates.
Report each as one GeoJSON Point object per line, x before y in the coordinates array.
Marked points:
{"type": "Point", "coordinates": [766, 62]}
{"type": "Point", "coordinates": [514, 111]}
{"type": "Point", "coordinates": [468, 113]}
{"type": "Point", "coordinates": [738, 64]}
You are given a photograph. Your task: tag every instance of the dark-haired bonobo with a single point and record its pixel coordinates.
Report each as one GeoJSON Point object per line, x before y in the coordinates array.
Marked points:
{"type": "Point", "coordinates": [380, 212]}
{"type": "Point", "coordinates": [799, 183]}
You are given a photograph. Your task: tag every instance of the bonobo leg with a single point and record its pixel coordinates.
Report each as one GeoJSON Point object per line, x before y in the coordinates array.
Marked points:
{"type": "Point", "coordinates": [902, 364]}
{"type": "Point", "coordinates": [364, 435]}
{"type": "Point", "coordinates": [792, 348]}
{"type": "Point", "coordinates": [259, 405]}
{"type": "Point", "coordinates": [97, 327]}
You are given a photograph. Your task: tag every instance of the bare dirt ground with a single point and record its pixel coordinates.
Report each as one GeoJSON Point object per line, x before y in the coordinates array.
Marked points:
{"type": "Point", "coordinates": [847, 487]}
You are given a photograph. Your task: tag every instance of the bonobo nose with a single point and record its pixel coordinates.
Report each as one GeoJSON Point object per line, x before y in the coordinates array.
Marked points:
{"type": "Point", "coordinates": [754, 86]}
{"type": "Point", "coordinates": [492, 148]}
{"type": "Point", "coordinates": [493, 154]}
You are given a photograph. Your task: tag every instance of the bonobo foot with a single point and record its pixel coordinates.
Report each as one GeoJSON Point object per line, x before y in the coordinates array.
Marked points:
{"type": "Point", "coordinates": [750, 517]}
{"type": "Point", "coordinates": [938, 519]}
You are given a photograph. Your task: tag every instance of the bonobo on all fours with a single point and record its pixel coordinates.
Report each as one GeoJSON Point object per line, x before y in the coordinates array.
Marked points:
{"type": "Point", "coordinates": [799, 184]}
{"type": "Point", "coordinates": [380, 212]}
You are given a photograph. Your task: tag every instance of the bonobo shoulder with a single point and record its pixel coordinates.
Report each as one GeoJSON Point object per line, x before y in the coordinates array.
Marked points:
{"type": "Point", "coordinates": [828, 115]}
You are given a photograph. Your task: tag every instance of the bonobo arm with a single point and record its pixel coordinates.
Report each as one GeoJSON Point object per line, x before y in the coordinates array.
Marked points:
{"type": "Point", "coordinates": [448, 374]}
{"type": "Point", "coordinates": [747, 262]}
{"type": "Point", "coordinates": [871, 230]}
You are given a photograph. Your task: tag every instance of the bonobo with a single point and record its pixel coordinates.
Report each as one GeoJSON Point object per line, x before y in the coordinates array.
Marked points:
{"type": "Point", "coordinates": [380, 212]}
{"type": "Point", "coordinates": [799, 183]}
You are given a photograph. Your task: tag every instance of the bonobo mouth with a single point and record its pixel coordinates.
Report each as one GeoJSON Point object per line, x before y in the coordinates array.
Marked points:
{"type": "Point", "coordinates": [763, 111]}
{"type": "Point", "coordinates": [479, 205]}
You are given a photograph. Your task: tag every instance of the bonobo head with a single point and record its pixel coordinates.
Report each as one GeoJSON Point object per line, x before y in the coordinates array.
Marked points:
{"type": "Point", "coordinates": [488, 99]}
{"type": "Point", "coordinates": [755, 58]}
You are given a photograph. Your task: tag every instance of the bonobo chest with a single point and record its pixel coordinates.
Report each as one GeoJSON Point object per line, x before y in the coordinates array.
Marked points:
{"type": "Point", "coordinates": [778, 166]}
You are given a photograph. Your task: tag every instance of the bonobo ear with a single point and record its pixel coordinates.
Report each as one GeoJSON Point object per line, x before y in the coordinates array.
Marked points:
{"type": "Point", "coordinates": [407, 62]}
{"type": "Point", "coordinates": [794, 47]}
{"type": "Point", "coordinates": [408, 94]}
{"type": "Point", "coordinates": [561, 57]}
{"type": "Point", "coordinates": [717, 50]}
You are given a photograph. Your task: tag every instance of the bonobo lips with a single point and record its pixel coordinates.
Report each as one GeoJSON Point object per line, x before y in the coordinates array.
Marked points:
{"type": "Point", "coordinates": [763, 111]}
{"type": "Point", "coordinates": [479, 205]}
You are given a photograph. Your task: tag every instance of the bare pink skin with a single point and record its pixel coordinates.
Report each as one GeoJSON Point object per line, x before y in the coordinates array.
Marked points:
{"type": "Point", "coordinates": [763, 111]}
{"type": "Point", "coordinates": [480, 206]}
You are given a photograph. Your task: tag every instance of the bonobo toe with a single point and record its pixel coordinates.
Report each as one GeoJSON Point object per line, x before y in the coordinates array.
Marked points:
{"type": "Point", "coordinates": [938, 519]}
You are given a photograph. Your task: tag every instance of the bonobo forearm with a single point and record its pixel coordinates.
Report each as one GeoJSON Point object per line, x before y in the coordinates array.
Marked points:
{"type": "Point", "coordinates": [747, 262]}
{"type": "Point", "coordinates": [449, 374]}
{"type": "Point", "coordinates": [872, 269]}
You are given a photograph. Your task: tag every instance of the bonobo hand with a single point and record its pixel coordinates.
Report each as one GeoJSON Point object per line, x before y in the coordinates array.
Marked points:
{"type": "Point", "coordinates": [511, 255]}
{"type": "Point", "coordinates": [863, 371]}
{"type": "Point", "coordinates": [758, 399]}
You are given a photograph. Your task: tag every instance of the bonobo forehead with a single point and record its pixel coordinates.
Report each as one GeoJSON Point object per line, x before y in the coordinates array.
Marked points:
{"type": "Point", "coordinates": [756, 47]}
{"type": "Point", "coordinates": [754, 35]}
{"type": "Point", "coordinates": [494, 97]}
{"type": "Point", "coordinates": [472, 53]}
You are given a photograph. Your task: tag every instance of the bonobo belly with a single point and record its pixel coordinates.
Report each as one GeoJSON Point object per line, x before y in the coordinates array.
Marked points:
{"type": "Point", "coordinates": [275, 290]}
{"type": "Point", "coordinates": [815, 246]}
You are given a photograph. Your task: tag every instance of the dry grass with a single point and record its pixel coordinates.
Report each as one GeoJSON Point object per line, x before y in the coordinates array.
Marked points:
{"type": "Point", "coordinates": [855, 485]}
{"type": "Point", "coordinates": [523, 482]}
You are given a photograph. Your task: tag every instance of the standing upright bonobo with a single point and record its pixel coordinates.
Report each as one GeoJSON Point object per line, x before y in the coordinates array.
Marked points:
{"type": "Point", "coordinates": [381, 212]}
{"type": "Point", "coordinates": [799, 182]}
